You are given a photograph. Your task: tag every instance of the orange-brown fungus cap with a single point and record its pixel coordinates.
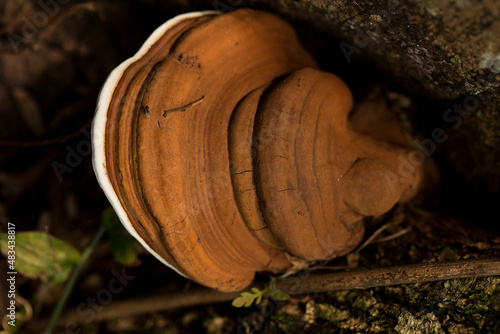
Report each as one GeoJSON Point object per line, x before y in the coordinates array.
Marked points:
{"type": "Point", "coordinates": [222, 148]}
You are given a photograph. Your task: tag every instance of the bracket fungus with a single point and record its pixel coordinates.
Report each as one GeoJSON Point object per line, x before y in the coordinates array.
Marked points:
{"type": "Point", "coordinates": [225, 151]}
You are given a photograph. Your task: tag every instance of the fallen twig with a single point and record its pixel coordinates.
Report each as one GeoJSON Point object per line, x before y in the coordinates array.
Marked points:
{"type": "Point", "coordinates": [308, 283]}
{"type": "Point", "coordinates": [405, 274]}
{"type": "Point", "coordinates": [392, 236]}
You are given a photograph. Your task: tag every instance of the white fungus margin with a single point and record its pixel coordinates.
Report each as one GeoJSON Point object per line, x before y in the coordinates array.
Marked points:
{"type": "Point", "coordinates": [99, 126]}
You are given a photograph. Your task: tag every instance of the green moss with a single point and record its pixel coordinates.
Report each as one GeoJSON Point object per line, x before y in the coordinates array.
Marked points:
{"type": "Point", "coordinates": [475, 295]}
{"type": "Point", "coordinates": [330, 313]}
{"type": "Point", "coordinates": [285, 318]}
{"type": "Point", "coordinates": [331, 8]}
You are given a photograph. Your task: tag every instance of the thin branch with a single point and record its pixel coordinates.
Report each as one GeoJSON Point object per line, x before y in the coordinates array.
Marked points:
{"type": "Point", "coordinates": [406, 274]}
{"type": "Point", "coordinates": [373, 236]}
{"type": "Point", "coordinates": [392, 236]}
{"type": "Point", "coordinates": [308, 283]}
{"type": "Point", "coordinates": [155, 302]}
{"type": "Point", "coordinates": [68, 288]}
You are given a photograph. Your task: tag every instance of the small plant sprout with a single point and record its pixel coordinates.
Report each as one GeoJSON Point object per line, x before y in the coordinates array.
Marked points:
{"type": "Point", "coordinates": [248, 298]}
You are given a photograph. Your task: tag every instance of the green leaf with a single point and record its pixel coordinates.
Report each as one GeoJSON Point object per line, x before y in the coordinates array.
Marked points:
{"type": "Point", "coordinates": [239, 302]}
{"type": "Point", "coordinates": [280, 295]}
{"type": "Point", "coordinates": [259, 299]}
{"type": "Point", "coordinates": [257, 291]}
{"type": "Point", "coordinates": [246, 299]}
{"type": "Point", "coordinates": [39, 255]}
{"type": "Point", "coordinates": [250, 301]}
{"type": "Point", "coordinates": [122, 244]}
